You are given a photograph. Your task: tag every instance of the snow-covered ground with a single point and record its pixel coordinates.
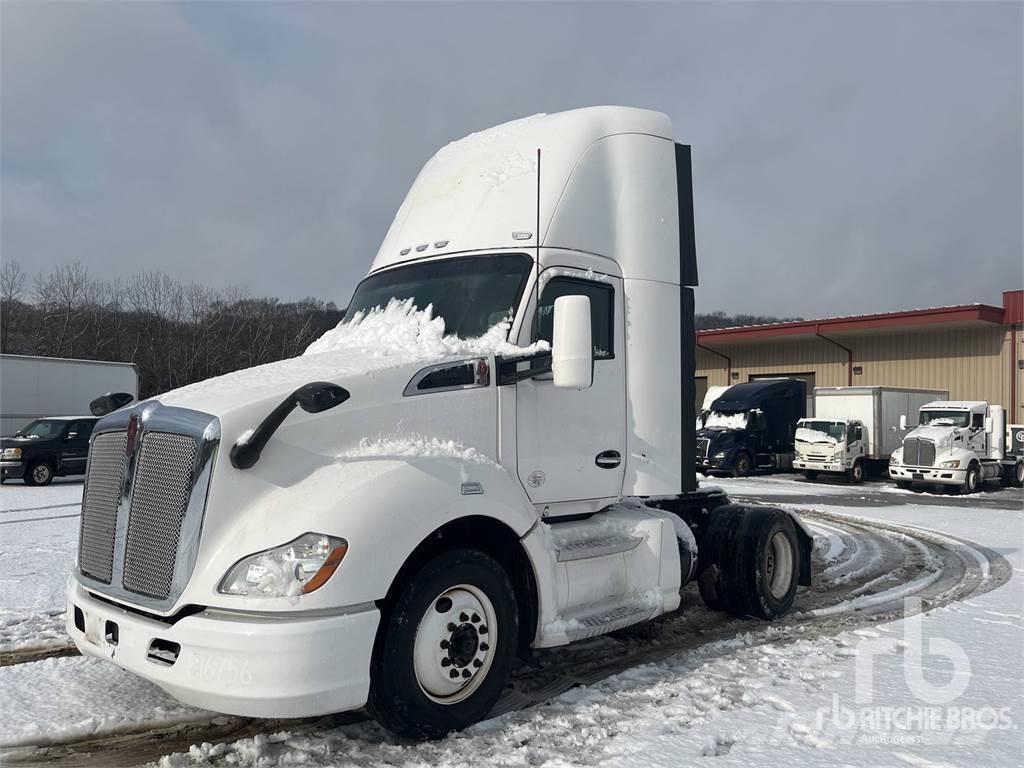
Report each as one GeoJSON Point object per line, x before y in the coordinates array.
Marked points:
{"type": "Point", "coordinates": [939, 688]}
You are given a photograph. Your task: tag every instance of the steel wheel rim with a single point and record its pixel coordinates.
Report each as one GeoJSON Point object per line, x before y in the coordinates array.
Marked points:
{"type": "Point", "coordinates": [455, 644]}
{"type": "Point", "coordinates": [40, 473]}
{"type": "Point", "coordinates": [779, 568]}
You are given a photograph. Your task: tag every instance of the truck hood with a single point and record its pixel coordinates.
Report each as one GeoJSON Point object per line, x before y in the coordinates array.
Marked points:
{"type": "Point", "coordinates": [938, 435]}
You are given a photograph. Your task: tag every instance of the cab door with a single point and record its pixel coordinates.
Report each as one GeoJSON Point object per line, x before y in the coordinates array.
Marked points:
{"type": "Point", "coordinates": [571, 443]}
{"type": "Point", "coordinates": [74, 450]}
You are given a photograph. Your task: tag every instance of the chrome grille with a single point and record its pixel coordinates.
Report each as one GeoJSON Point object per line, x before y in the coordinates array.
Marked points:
{"type": "Point", "coordinates": [702, 447]}
{"type": "Point", "coordinates": [918, 452]}
{"type": "Point", "coordinates": [99, 505]}
{"type": "Point", "coordinates": [163, 487]}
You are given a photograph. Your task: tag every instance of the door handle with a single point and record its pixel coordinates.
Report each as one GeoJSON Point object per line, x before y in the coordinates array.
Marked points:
{"type": "Point", "coordinates": [608, 459]}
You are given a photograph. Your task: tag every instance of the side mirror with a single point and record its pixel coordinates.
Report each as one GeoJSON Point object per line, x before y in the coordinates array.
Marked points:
{"type": "Point", "coordinates": [903, 422]}
{"type": "Point", "coordinates": [70, 436]}
{"type": "Point", "coordinates": [988, 424]}
{"type": "Point", "coordinates": [109, 403]}
{"type": "Point", "coordinates": [320, 396]}
{"type": "Point", "coordinates": [572, 349]}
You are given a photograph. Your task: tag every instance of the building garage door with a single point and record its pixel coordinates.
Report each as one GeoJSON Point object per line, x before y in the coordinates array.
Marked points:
{"type": "Point", "coordinates": [807, 378]}
{"type": "Point", "coordinates": [700, 390]}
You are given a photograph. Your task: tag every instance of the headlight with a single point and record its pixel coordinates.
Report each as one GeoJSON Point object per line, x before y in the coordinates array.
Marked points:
{"type": "Point", "coordinates": [838, 456]}
{"type": "Point", "coordinates": [720, 455]}
{"type": "Point", "coordinates": [11, 454]}
{"type": "Point", "coordinates": [950, 464]}
{"type": "Point", "coordinates": [296, 568]}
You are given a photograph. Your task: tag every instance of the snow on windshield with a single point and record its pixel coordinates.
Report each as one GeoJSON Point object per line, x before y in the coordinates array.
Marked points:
{"type": "Point", "coordinates": [399, 334]}
{"type": "Point", "coordinates": [805, 435]}
{"type": "Point", "coordinates": [720, 420]}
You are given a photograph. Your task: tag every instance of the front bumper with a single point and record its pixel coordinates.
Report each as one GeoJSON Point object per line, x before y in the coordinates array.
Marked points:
{"type": "Point", "coordinates": [256, 665]}
{"type": "Point", "coordinates": [11, 470]}
{"type": "Point", "coordinates": [819, 466]}
{"type": "Point", "coordinates": [936, 475]}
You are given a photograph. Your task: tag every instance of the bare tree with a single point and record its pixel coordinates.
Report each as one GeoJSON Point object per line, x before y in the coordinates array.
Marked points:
{"type": "Point", "coordinates": [12, 283]}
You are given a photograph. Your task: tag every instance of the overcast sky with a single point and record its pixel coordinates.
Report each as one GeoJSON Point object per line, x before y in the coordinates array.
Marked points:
{"type": "Point", "coordinates": [847, 157]}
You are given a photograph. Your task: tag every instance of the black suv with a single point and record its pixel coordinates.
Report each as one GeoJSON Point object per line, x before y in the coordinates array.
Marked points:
{"type": "Point", "coordinates": [47, 448]}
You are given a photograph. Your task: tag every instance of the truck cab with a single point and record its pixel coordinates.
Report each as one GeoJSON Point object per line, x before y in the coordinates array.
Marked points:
{"type": "Point", "coordinates": [751, 427]}
{"type": "Point", "coordinates": [489, 456]}
{"type": "Point", "coordinates": [831, 445]}
{"type": "Point", "coordinates": [959, 444]}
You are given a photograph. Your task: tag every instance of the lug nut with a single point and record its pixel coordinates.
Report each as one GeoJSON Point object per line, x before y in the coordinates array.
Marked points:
{"type": "Point", "coordinates": [453, 674]}
{"type": "Point", "coordinates": [477, 663]}
{"type": "Point", "coordinates": [444, 644]}
{"type": "Point", "coordinates": [484, 647]}
{"type": "Point", "coordinates": [463, 617]}
{"type": "Point", "coordinates": [483, 629]}
{"type": "Point", "coordinates": [446, 662]}
{"type": "Point", "coordinates": [465, 673]}
{"type": "Point", "coordinates": [451, 627]}
{"type": "Point", "coordinates": [476, 619]}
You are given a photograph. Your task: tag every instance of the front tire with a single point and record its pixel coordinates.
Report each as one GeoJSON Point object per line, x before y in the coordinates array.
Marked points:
{"type": "Point", "coordinates": [743, 466]}
{"type": "Point", "coordinates": [856, 473]}
{"type": "Point", "coordinates": [811, 474]}
{"type": "Point", "coordinates": [446, 647]}
{"type": "Point", "coordinates": [39, 473]}
{"type": "Point", "coordinates": [972, 480]}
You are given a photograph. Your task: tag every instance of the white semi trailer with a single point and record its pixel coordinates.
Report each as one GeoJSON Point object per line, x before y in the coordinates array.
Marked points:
{"type": "Point", "coordinates": [855, 429]}
{"type": "Point", "coordinates": [38, 387]}
{"type": "Point", "coordinates": [490, 455]}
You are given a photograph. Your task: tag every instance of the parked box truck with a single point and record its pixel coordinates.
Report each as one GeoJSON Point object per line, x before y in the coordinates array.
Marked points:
{"type": "Point", "coordinates": [441, 482]}
{"type": "Point", "coordinates": [855, 429]}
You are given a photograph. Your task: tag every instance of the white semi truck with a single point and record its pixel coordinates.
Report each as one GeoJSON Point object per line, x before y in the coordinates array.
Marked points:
{"type": "Point", "coordinates": [855, 429]}
{"type": "Point", "coordinates": [959, 444]}
{"type": "Point", "coordinates": [490, 455]}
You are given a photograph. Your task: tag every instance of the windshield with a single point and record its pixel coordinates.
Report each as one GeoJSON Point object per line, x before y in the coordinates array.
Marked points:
{"type": "Point", "coordinates": [471, 293]}
{"type": "Point", "coordinates": [945, 418]}
{"type": "Point", "coordinates": [721, 420]}
{"type": "Point", "coordinates": [814, 431]}
{"type": "Point", "coordinates": [41, 428]}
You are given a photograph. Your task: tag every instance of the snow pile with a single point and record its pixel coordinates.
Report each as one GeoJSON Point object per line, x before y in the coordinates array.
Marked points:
{"type": "Point", "coordinates": [401, 328]}
{"type": "Point", "coordinates": [720, 420]}
{"type": "Point", "coordinates": [805, 435]}
{"type": "Point", "coordinates": [415, 446]}
{"type": "Point", "coordinates": [399, 334]}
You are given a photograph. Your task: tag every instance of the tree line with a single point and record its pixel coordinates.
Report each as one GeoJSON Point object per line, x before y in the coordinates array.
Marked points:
{"type": "Point", "coordinates": [176, 333]}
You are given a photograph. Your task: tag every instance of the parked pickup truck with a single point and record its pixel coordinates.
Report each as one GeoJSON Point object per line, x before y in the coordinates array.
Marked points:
{"type": "Point", "coordinates": [488, 456]}
{"type": "Point", "coordinates": [855, 429]}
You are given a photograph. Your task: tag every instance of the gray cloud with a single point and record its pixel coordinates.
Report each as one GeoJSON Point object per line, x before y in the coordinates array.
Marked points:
{"type": "Point", "coordinates": [847, 157]}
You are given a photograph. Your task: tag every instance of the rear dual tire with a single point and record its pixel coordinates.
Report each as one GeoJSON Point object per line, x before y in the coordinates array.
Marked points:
{"type": "Point", "coordinates": [750, 562]}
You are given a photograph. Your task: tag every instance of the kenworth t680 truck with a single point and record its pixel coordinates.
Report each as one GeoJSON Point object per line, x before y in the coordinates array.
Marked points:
{"type": "Point", "coordinates": [492, 454]}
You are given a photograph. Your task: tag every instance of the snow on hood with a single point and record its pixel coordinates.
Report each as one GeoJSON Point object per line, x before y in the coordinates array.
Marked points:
{"type": "Point", "coordinates": [805, 435]}
{"type": "Point", "coordinates": [397, 335]}
{"type": "Point", "coordinates": [937, 434]}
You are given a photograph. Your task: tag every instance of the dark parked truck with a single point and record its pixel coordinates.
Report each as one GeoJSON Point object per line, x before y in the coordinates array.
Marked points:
{"type": "Point", "coordinates": [750, 427]}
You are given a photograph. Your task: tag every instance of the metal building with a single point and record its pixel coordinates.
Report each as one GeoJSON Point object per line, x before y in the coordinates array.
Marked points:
{"type": "Point", "coordinates": [975, 351]}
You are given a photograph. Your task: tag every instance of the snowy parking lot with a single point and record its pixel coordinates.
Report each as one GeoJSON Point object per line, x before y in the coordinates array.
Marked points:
{"type": "Point", "coordinates": [908, 650]}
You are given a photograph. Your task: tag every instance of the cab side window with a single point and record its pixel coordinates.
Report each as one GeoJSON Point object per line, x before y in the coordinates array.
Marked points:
{"type": "Point", "coordinates": [977, 421]}
{"type": "Point", "coordinates": [602, 312]}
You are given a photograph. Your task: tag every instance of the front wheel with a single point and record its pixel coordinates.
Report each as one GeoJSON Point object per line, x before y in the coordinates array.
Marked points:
{"type": "Point", "coordinates": [856, 473]}
{"type": "Point", "coordinates": [447, 646]}
{"type": "Point", "coordinates": [39, 473]}
{"type": "Point", "coordinates": [972, 480]}
{"type": "Point", "coordinates": [743, 466]}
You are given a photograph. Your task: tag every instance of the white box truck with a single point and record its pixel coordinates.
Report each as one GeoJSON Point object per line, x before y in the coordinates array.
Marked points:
{"type": "Point", "coordinates": [490, 455]}
{"type": "Point", "coordinates": [39, 387]}
{"type": "Point", "coordinates": [855, 429]}
{"type": "Point", "coordinates": [959, 444]}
